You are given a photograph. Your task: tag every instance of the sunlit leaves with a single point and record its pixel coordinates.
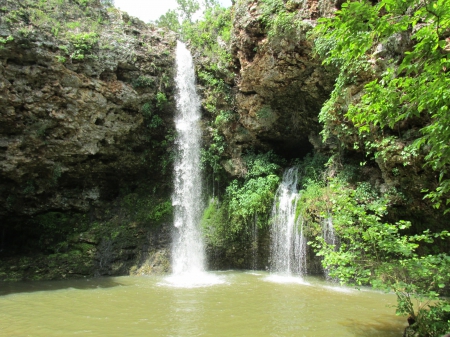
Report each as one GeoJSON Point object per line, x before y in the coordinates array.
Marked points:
{"type": "Point", "coordinates": [415, 85]}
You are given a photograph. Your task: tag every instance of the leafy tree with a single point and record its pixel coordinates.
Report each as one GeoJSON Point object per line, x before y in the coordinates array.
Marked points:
{"type": "Point", "coordinates": [187, 8]}
{"type": "Point", "coordinates": [371, 251]}
{"type": "Point", "coordinates": [414, 84]}
{"type": "Point", "coordinates": [400, 49]}
{"type": "Point", "coordinates": [169, 20]}
{"type": "Point", "coordinates": [211, 3]}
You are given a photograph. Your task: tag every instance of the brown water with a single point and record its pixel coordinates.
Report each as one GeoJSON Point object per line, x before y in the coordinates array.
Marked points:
{"type": "Point", "coordinates": [246, 304]}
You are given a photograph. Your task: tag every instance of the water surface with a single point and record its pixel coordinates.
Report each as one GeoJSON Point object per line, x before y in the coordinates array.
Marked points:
{"type": "Point", "coordinates": [245, 304]}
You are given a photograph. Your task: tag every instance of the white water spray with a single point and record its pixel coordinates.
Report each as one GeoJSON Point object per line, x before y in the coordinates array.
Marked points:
{"type": "Point", "coordinates": [288, 248]}
{"type": "Point", "coordinates": [188, 258]}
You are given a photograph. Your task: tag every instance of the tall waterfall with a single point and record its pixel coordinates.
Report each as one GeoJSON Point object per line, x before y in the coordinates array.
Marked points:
{"type": "Point", "coordinates": [188, 250]}
{"type": "Point", "coordinates": [288, 247]}
{"type": "Point", "coordinates": [188, 257]}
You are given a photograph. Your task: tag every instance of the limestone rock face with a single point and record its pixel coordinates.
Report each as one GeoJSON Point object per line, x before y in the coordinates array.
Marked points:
{"type": "Point", "coordinates": [73, 132]}
{"type": "Point", "coordinates": [281, 85]}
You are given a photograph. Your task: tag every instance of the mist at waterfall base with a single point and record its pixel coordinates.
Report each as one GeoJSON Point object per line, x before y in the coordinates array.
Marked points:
{"type": "Point", "coordinates": [188, 252]}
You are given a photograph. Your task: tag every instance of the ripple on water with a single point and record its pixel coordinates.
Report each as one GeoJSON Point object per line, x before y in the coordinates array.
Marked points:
{"type": "Point", "coordinates": [253, 273]}
{"type": "Point", "coordinates": [193, 280]}
{"type": "Point", "coordinates": [340, 289]}
{"type": "Point", "coordinates": [286, 279]}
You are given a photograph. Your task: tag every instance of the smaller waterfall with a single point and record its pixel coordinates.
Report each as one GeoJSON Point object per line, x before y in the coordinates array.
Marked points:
{"type": "Point", "coordinates": [288, 246]}
{"type": "Point", "coordinates": [255, 243]}
{"type": "Point", "coordinates": [300, 245]}
{"type": "Point", "coordinates": [328, 231]}
{"type": "Point", "coordinates": [329, 236]}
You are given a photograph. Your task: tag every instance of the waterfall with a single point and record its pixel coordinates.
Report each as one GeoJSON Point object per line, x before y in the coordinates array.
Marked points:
{"type": "Point", "coordinates": [328, 233]}
{"type": "Point", "coordinates": [329, 236]}
{"type": "Point", "coordinates": [188, 257]}
{"type": "Point", "coordinates": [288, 246]}
{"type": "Point", "coordinates": [255, 243]}
{"type": "Point", "coordinates": [188, 251]}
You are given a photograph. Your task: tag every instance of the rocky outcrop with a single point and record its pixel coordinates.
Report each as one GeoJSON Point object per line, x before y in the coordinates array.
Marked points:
{"type": "Point", "coordinates": [281, 85]}
{"type": "Point", "coordinates": [86, 117]}
{"type": "Point", "coordinates": [73, 131]}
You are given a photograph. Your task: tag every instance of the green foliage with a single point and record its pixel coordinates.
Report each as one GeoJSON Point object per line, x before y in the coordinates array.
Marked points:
{"type": "Point", "coordinates": [216, 91]}
{"type": "Point", "coordinates": [244, 200]}
{"type": "Point", "coordinates": [161, 100]}
{"type": "Point", "coordinates": [169, 21]}
{"type": "Point", "coordinates": [211, 157]}
{"type": "Point", "coordinates": [61, 59]}
{"type": "Point", "coordinates": [147, 110]}
{"type": "Point", "coordinates": [254, 196]}
{"type": "Point", "coordinates": [187, 9]}
{"type": "Point", "coordinates": [4, 41]}
{"type": "Point", "coordinates": [373, 251]}
{"type": "Point", "coordinates": [266, 113]}
{"type": "Point", "coordinates": [147, 209]}
{"type": "Point", "coordinates": [415, 86]}
{"type": "Point", "coordinates": [280, 21]}
{"type": "Point", "coordinates": [55, 227]}
{"type": "Point", "coordinates": [80, 24]}
{"type": "Point", "coordinates": [155, 122]}
{"type": "Point", "coordinates": [311, 168]}
{"type": "Point", "coordinates": [107, 3]}
{"type": "Point", "coordinates": [143, 82]}
{"type": "Point", "coordinates": [215, 224]}
{"type": "Point", "coordinates": [82, 43]}
{"type": "Point", "coordinates": [29, 187]}
{"type": "Point", "coordinates": [209, 33]}
{"type": "Point", "coordinates": [224, 117]}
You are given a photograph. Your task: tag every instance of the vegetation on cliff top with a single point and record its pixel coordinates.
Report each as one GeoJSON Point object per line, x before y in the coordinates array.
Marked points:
{"type": "Point", "coordinates": [412, 85]}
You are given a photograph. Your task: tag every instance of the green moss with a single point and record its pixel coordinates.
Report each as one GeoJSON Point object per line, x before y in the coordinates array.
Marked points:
{"type": "Point", "coordinates": [143, 82]}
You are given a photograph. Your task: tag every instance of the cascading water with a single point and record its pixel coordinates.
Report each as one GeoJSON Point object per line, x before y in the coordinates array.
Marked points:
{"type": "Point", "coordinates": [255, 243]}
{"type": "Point", "coordinates": [188, 258]}
{"type": "Point", "coordinates": [288, 249]}
{"type": "Point", "coordinates": [329, 235]}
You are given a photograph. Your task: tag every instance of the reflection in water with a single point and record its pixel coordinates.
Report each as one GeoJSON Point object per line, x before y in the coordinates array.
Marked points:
{"type": "Point", "coordinates": [283, 278]}
{"type": "Point", "coordinates": [187, 308]}
{"type": "Point", "coordinates": [247, 304]}
{"type": "Point", "coordinates": [7, 288]}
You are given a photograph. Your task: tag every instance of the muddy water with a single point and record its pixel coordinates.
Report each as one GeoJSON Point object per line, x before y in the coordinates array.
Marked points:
{"type": "Point", "coordinates": [245, 304]}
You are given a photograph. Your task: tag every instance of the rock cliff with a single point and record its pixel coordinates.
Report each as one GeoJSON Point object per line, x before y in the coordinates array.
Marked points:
{"type": "Point", "coordinates": [281, 85]}
{"type": "Point", "coordinates": [72, 132]}
{"type": "Point", "coordinates": [86, 114]}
